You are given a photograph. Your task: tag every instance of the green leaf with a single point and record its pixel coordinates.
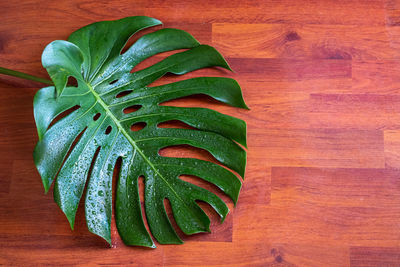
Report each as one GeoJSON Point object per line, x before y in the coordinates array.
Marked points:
{"type": "Point", "coordinates": [81, 149]}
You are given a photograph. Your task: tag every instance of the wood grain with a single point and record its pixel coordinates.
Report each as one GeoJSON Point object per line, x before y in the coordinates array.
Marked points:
{"type": "Point", "coordinates": [322, 187]}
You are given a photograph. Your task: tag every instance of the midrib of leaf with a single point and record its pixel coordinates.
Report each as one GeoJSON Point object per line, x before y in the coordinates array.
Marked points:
{"type": "Point", "coordinates": [131, 141]}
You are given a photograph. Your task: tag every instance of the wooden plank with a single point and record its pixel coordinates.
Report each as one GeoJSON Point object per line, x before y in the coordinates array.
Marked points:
{"type": "Point", "coordinates": [374, 256]}
{"type": "Point", "coordinates": [355, 111]}
{"type": "Point", "coordinates": [332, 148]}
{"type": "Point", "coordinates": [392, 148]}
{"type": "Point", "coordinates": [376, 77]}
{"type": "Point", "coordinates": [329, 207]}
{"type": "Point", "coordinates": [302, 41]}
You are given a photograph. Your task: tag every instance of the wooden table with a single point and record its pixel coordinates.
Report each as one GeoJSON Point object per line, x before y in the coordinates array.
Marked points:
{"type": "Point", "coordinates": [322, 186]}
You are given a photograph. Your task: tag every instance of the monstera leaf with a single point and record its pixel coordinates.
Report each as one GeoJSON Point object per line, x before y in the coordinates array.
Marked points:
{"type": "Point", "coordinates": [81, 149]}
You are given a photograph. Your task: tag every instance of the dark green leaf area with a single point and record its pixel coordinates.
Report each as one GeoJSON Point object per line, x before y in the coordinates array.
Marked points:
{"type": "Point", "coordinates": [84, 130]}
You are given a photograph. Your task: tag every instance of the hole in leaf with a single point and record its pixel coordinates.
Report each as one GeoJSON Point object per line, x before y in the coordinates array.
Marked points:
{"type": "Point", "coordinates": [76, 140]}
{"type": "Point", "coordinates": [146, 63]}
{"type": "Point", "coordinates": [112, 82]}
{"type": "Point", "coordinates": [96, 117]}
{"type": "Point", "coordinates": [78, 137]}
{"type": "Point", "coordinates": [108, 130]}
{"type": "Point", "coordinates": [198, 100]}
{"type": "Point", "coordinates": [154, 60]}
{"type": "Point", "coordinates": [170, 214]}
{"type": "Point", "coordinates": [72, 81]}
{"type": "Point", "coordinates": [187, 151]}
{"type": "Point", "coordinates": [116, 172]}
{"type": "Point", "coordinates": [141, 186]}
{"type": "Point", "coordinates": [224, 230]}
{"type": "Point", "coordinates": [209, 210]}
{"type": "Point", "coordinates": [138, 126]}
{"type": "Point", "coordinates": [170, 77]}
{"type": "Point", "coordinates": [221, 232]}
{"type": "Point", "coordinates": [141, 181]}
{"type": "Point", "coordinates": [206, 185]}
{"type": "Point", "coordinates": [137, 35]}
{"type": "Point", "coordinates": [175, 124]}
{"type": "Point", "coordinates": [131, 109]}
{"type": "Point", "coordinates": [80, 222]}
{"type": "Point", "coordinates": [92, 164]}
{"type": "Point", "coordinates": [63, 114]}
{"type": "Point", "coordinates": [123, 93]}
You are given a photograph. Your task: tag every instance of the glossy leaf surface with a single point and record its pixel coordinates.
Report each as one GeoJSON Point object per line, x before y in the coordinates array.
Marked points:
{"type": "Point", "coordinates": [81, 149]}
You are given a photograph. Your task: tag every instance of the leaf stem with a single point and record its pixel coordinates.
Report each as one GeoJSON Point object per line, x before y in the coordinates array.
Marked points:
{"type": "Point", "coordinates": [25, 76]}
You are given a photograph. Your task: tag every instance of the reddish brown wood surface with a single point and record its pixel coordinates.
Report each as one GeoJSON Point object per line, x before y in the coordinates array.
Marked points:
{"type": "Point", "coordinates": [322, 186]}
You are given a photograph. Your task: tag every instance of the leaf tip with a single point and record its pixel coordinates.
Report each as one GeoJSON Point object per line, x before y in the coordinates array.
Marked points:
{"type": "Point", "coordinates": [228, 67]}
{"type": "Point", "coordinates": [158, 22]}
{"type": "Point", "coordinates": [225, 63]}
{"type": "Point", "coordinates": [243, 172]}
{"type": "Point", "coordinates": [71, 222]}
{"type": "Point", "coordinates": [240, 100]}
{"type": "Point", "coordinates": [236, 197]}
{"type": "Point", "coordinates": [46, 189]}
{"type": "Point", "coordinates": [223, 217]}
{"type": "Point", "coordinates": [148, 244]}
{"type": "Point", "coordinates": [45, 183]}
{"type": "Point", "coordinates": [40, 135]}
{"type": "Point", "coordinates": [153, 20]}
{"type": "Point", "coordinates": [245, 136]}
